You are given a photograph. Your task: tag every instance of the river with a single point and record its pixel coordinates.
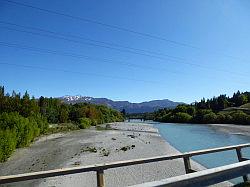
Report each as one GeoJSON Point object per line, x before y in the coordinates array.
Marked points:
{"type": "Point", "coordinates": [190, 137]}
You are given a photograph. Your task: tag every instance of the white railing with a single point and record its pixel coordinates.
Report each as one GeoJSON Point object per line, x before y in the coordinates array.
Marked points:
{"type": "Point", "coordinates": [100, 168]}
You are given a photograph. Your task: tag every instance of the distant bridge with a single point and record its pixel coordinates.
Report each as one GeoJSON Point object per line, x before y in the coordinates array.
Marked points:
{"type": "Point", "coordinates": [192, 178]}
{"type": "Point", "coordinates": [131, 118]}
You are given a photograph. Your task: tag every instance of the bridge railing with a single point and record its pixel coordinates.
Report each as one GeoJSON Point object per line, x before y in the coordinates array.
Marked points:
{"type": "Point", "coordinates": [203, 178]}
{"type": "Point", "coordinates": [100, 168]}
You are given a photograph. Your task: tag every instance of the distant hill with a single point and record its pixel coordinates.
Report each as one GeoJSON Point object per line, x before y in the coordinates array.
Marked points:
{"type": "Point", "coordinates": [245, 108]}
{"type": "Point", "coordinates": [149, 106]}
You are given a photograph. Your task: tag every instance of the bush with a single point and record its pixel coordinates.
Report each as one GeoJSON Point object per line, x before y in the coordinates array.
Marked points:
{"type": "Point", "coordinates": [94, 122]}
{"type": "Point", "coordinates": [17, 131]}
{"type": "Point", "coordinates": [7, 144]}
{"type": "Point", "coordinates": [210, 118]}
{"type": "Point", "coordinates": [181, 117]}
{"type": "Point", "coordinates": [240, 117]}
{"type": "Point", "coordinates": [84, 123]}
{"type": "Point", "coordinates": [167, 117]}
{"type": "Point", "coordinates": [221, 118]}
{"type": "Point", "coordinates": [22, 119]}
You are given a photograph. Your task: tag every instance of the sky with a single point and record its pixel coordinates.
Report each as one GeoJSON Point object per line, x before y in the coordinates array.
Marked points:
{"type": "Point", "coordinates": [125, 50]}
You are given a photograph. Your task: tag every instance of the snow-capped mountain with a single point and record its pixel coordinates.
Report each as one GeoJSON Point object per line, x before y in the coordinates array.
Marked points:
{"type": "Point", "coordinates": [69, 98]}
{"type": "Point", "coordinates": [149, 106]}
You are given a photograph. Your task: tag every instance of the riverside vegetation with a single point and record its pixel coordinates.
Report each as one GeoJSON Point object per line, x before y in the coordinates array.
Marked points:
{"type": "Point", "coordinates": [222, 109]}
{"type": "Point", "coordinates": [23, 118]}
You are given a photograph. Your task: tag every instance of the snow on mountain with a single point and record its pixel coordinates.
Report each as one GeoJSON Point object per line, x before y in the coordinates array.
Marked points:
{"type": "Point", "coordinates": [75, 98]}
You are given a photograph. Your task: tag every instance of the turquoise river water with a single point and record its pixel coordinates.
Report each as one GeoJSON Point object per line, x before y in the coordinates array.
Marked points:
{"type": "Point", "coordinates": [190, 137]}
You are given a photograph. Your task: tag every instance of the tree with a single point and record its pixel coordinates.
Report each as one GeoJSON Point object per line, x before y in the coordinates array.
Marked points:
{"type": "Point", "coordinates": [181, 117]}
{"type": "Point", "coordinates": [42, 104]}
{"type": "Point", "coordinates": [240, 117]}
{"type": "Point", "coordinates": [23, 119]}
{"type": "Point", "coordinates": [209, 111]}
{"type": "Point", "coordinates": [167, 117]}
{"type": "Point", "coordinates": [2, 99]}
{"type": "Point", "coordinates": [85, 123]}
{"type": "Point", "coordinates": [222, 102]}
{"type": "Point", "coordinates": [25, 101]}
{"type": "Point", "coordinates": [210, 118]}
{"type": "Point", "coordinates": [64, 114]}
{"type": "Point", "coordinates": [2, 93]}
{"type": "Point", "coordinates": [242, 99]}
{"type": "Point", "coordinates": [191, 110]}
{"type": "Point", "coordinates": [123, 112]}
{"type": "Point", "coordinates": [221, 118]}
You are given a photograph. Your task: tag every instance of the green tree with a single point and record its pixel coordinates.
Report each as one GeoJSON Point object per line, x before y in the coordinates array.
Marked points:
{"type": "Point", "coordinates": [210, 118]}
{"type": "Point", "coordinates": [123, 112]}
{"type": "Point", "coordinates": [85, 123]}
{"type": "Point", "coordinates": [181, 117]}
{"type": "Point", "coordinates": [64, 114]}
{"type": "Point", "coordinates": [240, 117]}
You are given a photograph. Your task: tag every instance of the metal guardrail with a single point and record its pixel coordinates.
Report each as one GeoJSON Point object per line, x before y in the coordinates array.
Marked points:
{"type": "Point", "coordinates": [100, 168]}
{"type": "Point", "coordinates": [203, 178]}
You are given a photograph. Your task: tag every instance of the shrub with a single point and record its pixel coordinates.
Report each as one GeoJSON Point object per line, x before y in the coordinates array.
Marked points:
{"type": "Point", "coordinates": [94, 122]}
{"type": "Point", "coordinates": [167, 117]}
{"type": "Point", "coordinates": [210, 118]}
{"type": "Point", "coordinates": [84, 123]}
{"type": "Point", "coordinates": [181, 117]}
{"type": "Point", "coordinates": [17, 131]}
{"type": "Point", "coordinates": [7, 144]}
{"type": "Point", "coordinates": [22, 119]}
{"type": "Point", "coordinates": [221, 118]}
{"type": "Point", "coordinates": [240, 117]}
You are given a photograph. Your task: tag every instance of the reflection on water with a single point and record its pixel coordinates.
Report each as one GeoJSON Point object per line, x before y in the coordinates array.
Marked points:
{"type": "Point", "coordinates": [190, 137]}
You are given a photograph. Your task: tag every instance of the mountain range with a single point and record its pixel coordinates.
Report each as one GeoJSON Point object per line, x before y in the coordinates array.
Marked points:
{"type": "Point", "coordinates": [148, 106]}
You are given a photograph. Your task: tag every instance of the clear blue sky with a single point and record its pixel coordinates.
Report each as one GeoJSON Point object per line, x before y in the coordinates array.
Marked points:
{"type": "Point", "coordinates": [214, 60]}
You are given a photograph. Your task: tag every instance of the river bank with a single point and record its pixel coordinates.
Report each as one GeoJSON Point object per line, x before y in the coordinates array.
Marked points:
{"type": "Point", "coordinates": [85, 147]}
{"type": "Point", "coordinates": [232, 128]}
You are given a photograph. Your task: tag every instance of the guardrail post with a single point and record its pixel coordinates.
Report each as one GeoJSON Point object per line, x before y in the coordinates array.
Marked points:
{"type": "Point", "coordinates": [187, 164]}
{"type": "Point", "coordinates": [100, 178]}
{"type": "Point", "coordinates": [240, 158]}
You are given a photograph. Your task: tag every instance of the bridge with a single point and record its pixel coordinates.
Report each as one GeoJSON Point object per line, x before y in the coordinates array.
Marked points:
{"type": "Point", "coordinates": [191, 178]}
{"type": "Point", "coordinates": [140, 119]}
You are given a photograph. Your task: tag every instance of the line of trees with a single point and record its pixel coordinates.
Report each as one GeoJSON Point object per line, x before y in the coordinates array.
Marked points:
{"type": "Point", "coordinates": [210, 111]}
{"type": "Point", "coordinates": [23, 118]}
{"type": "Point", "coordinates": [144, 116]}
{"type": "Point", "coordinates": [219, 103]}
